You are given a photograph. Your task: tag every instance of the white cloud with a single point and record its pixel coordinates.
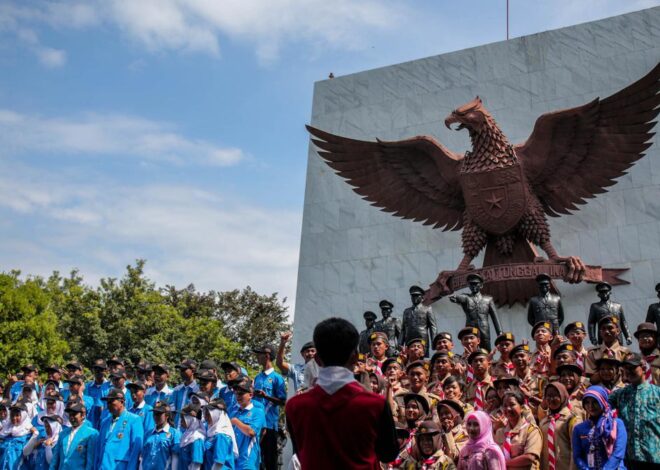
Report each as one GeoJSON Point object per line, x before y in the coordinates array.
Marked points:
{"type": "Point", "coordinates": [200, 25]}
{"type": "Point", "coordinates": [109, 134]}
{"type": "Point", "coordinates": [186, 234]}
{"type": "Point", "coordinates": [51, 57]}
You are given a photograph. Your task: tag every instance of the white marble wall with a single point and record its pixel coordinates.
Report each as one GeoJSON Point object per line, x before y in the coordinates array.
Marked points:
{"type": "Point", "coordinates": [352, 255]}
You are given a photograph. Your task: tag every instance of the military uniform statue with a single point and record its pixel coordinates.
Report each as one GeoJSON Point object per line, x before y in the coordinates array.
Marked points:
{"type": "Point", "coordinates": [605, 308]}
{"type": "Point", "coordinates": [389, 325]}
{"type": "Point", "coordinates": [478, 308]}
{"type": "Point", "coordinates": [653, 313]}
{"type": "Point", "coordinates": [369, 322]}
{"type": "Point", "coordinates": [546, 306]}
{"type": "Point", "coordinates": [418, 320]}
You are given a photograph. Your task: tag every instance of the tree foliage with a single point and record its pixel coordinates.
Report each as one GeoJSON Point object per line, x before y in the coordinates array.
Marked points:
{"type": "Point", "coordinates": [47, 321]}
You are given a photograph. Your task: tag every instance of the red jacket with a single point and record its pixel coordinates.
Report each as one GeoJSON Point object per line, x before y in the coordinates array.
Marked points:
{"type": "Point", "coordinates": [351, 429]}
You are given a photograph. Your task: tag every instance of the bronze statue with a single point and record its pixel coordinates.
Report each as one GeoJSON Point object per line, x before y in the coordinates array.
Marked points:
{"type": "Point", "coordinates": [418, 320]}
{"type": "Point", "coordinates": [653, 313]}
{"type": "Point", "coordinates": [605, 307]}
{"type": "Point", "coordinates": [478, 308]}
{"type": "Point", "coordinates": [501, 194]}
{"type": "Point", "coordinates": [389, 325]}
{"type": "Point", "coordinates": [546, 306]}
{"type": "Point", "coordinates": [369, 322]}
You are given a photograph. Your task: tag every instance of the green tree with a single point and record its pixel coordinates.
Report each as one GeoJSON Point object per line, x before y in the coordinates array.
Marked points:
{"type": "Point", "coordinates": [28, 325]}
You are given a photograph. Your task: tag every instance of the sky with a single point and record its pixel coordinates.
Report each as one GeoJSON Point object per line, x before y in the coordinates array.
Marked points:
{"type": "Point", "coordinates": [173, 130]}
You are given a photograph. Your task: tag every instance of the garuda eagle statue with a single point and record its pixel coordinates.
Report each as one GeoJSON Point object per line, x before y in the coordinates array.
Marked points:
{"type": "Point", "coordinates": [500, 194]}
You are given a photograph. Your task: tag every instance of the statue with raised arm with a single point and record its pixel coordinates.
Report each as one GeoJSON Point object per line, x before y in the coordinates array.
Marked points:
{"type": "Point", "coordinates": [478, 308]}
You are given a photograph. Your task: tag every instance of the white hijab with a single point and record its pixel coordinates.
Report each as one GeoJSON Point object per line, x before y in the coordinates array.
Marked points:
{"type": "Point", "coordinates": [59, 411]}
{"type": "Point", "coordinates": [193, 430]}
{"type": "Point", "coordinates": [21, 429]}
{"type": "Point", "coordinates": [55, 428]}
{"type": "Point", "coordinates": [222, 425]}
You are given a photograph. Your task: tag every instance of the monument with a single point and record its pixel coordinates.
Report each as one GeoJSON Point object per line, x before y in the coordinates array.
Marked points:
{"type": "Point", "coordinates": [352, 254]}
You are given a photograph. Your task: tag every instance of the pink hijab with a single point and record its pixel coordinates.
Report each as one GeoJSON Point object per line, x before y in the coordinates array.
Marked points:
{"type": "Point", "coordinates": [473, 454]}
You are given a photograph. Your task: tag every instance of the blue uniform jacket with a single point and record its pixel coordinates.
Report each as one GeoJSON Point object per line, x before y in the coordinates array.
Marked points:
{"type": "Point", "coordinates": [181, 397]}
{"type": "Point", "coordinates": [581, 447]}
{"type": "Point", "coordinates": [96, 392]}
{"type": "Point", "coordinates": [147, 417]}
{"type": "Point", "coordinates": [273, 385]}
{"type": "Point", "coordinates": [120, 442]}
{"type": "Point", "coordinates": [80, 454]}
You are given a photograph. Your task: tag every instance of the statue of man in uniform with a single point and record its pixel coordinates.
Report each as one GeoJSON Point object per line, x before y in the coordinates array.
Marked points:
{"type": "Point", "coordinates": [605, 307]}
{"type": "Point", "coordinates": [545, 307]}
{"type": "Point", "coordinates": [478, 308]}
{"type": "Point", "coordinates": [389, 325]}
{"type": "Point", "coordinates": [653, 313]}
{"type": "Point", "coordinates": [418, 320]}
{"type": "Point", "coordinates": [369, 322]}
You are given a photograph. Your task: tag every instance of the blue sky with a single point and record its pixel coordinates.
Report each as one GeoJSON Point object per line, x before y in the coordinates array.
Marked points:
{"type": "Point", "coordinates": [173, 130]}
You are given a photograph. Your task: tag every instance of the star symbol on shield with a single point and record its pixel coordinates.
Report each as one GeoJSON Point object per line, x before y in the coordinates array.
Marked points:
{"type": "Point", "coordinates": [494, 201]}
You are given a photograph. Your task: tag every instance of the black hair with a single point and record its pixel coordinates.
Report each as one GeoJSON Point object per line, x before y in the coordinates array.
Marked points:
{"type": "Point", "coordinates": [335, 339]}
{"type": "Point", "coordinates": [451, 380]}
{"type": "Point", "coordinates": [516, 394]}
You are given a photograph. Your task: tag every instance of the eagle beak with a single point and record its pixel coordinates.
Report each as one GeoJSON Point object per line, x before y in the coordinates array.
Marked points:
{"type": "Point", "coordinates": [451, 119]}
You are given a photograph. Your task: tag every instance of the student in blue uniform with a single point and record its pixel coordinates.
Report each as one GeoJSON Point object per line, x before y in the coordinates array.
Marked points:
{"type": "Point", "coordinates": [248, 422]}
{"type": "Point", "coordinates": [232, 371]}
{"type": "Point", "coordinates": [121, 436]}
{"type": "Point", "coordinates": [38, 452]}
{"type": "Point", "coordinates": [14, 437]}
{"type": "Point", "coordinates": [221, 448]}
{"type": "Point", "coordinates": [76, 447]}
{"type": "Point", "coordinates": [97, 389]}
{"type": "Point", "coordinates": [30, 374]}
{"type": "Point", "coordinates": [191, 453]}
{"type": "Point", "coordinates": [160, 391]}
{"type": "Point", "coordinates": [188, 386]}
{"type": "Point", "coordinates": [270, 390]}
{"type": "Point", "coordinates": [207, 381]}
{"type": "Point", "coordinates": [140, 407]}
{"type": "Point", "coordinates": [75, 391]}
{"type": "Point", "coordinates": [161, 447]}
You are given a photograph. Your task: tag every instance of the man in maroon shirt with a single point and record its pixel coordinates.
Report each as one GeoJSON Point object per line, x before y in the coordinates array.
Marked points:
{"type": "Point", "coordinates": [337, 424]}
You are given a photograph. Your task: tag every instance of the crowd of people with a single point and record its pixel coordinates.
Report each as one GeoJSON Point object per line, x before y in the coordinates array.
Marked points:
{"type": "Point", "coordinates": [549, 403]}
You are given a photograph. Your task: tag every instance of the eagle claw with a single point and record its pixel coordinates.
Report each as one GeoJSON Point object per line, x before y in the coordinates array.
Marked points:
{"type": "Point", "coordinates": [576, 268]}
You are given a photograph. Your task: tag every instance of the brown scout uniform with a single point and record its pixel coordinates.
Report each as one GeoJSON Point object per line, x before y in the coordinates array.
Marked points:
{"type": "Point", "coordinates": [500, 368]}
{"type": "Point", "coordinates": [454, 440]}
{"type": "Point", "coordinates": [471, 389]}
{"type": "Point", "coordinates": [441, 462]}
{"type": "Point", "coordinates": [593, 354]}
{"type": "Point", "coordinates": [399, 408]}
{"type": "Point", "coordinates": [535, 384]}
{"type": "Point", "coordinates": [525, 438]}
{"type": "Point", "coordinates": [563, 434]}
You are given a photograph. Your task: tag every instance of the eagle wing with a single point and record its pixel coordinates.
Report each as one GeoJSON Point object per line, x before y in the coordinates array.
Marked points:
{"type": "Point", "coordinates": [415, 178]}
{"type": "Point", "coordinates": [576, 153]}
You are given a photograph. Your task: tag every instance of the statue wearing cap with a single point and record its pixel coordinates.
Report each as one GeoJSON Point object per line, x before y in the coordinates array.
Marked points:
{"type": "Point", "coordinates": [389, 325]}
{"type": "Point", "coordinates": [477, 308]}
{"type": "Point", "coordinates": [369, 323]}
{"type": "Point", "coordinates": [603, 308]}
{"type": "Point", "coordinates": [653, 313]}
{"type": "Point", "coordinates": [546, 306]}
{"type": "Point", "coordinates": [418, 320]}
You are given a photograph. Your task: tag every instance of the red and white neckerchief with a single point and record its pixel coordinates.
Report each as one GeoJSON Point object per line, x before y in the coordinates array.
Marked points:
{"type": "Point", "coordinates": [542, 363]}
{"type": "Point", "coordinates": [479, 399]}
{"type": "Point", "coordinates": [610, 353]}
{"type": "Point", "coordinates": [407, 447]}
{"type": "Point", "coordinates": [580, 360]}
{"type": "Point", "coordinates": [510, 368]}
{"type": "Point", "coordinates": [648, 370]}
{"type": "Point", "coordinates": [426, 464]}
{"type": "Point", "coordinates": [552, 461]}
{"type": "Point", "coordinates": [507, 440]}
{"type": "Point", "coordinates": [469, 377]}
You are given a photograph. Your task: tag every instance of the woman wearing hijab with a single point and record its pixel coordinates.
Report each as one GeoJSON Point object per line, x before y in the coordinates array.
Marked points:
{"type": "Point", "coordinates": [520, 439]}
{"type": "Point", "coordinates": [191, 455]}
{"type": "Point", "coordinates": [557, 429]}
{"type": "Point", "coordinates": [427, 452]}
{"type": "Point", "coordinates": [377, 383]}
{"type": "Point", "coordinates": [480, 452]}
{"type": "Point", "coordinates": [599, 443]}
{"type": "Point", "coordinates": [14, 437]}
{"type": "Point", "coordinates": [416, 410]}
{"type": "Point", "coordinates": [221, 450]}
{"type": "Point", "coordinates": [38, 452]}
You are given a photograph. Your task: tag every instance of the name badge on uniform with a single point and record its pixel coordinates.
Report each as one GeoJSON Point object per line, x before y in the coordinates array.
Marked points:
{"type": "Point", "coordinates": [120, 435]}
{"type": "Point", "coordinates": [167, 435]}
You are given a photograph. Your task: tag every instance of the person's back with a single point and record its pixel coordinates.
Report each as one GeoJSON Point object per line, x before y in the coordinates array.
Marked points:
{"type": "Point", "coordinates": [337, 424]}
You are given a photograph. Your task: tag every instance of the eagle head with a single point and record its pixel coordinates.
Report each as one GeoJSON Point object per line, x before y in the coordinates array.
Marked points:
{"type": "Point", "coordinates": [471, 116]}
